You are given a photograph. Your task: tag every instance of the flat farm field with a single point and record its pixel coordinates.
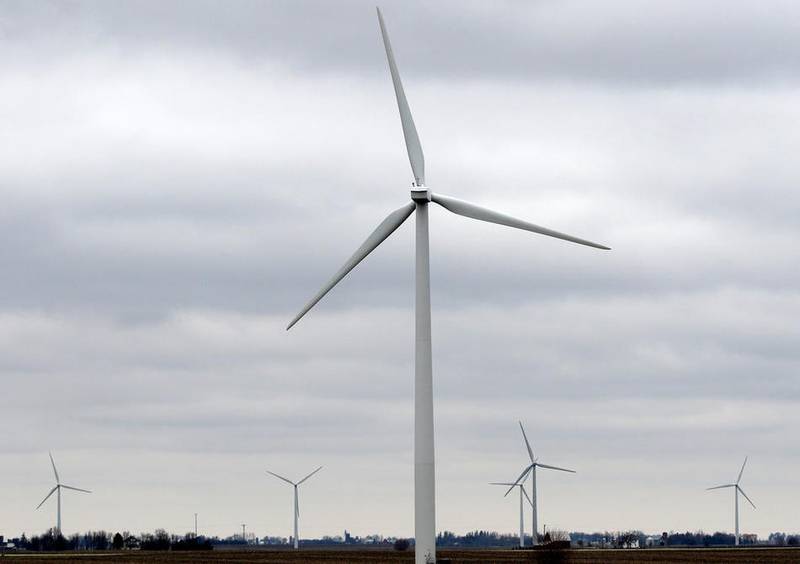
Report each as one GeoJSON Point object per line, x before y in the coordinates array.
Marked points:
{"type": "Point", "coordinates": [578, 556]}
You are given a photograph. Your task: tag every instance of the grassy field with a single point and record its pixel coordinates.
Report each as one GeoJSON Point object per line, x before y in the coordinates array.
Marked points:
{"type": "Point", "coordinates": [584, 556]}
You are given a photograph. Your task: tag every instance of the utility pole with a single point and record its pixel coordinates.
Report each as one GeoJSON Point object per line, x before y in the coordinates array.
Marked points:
{"type": "Point", "coordinates": [195, 525]}
{"type": "Point", "coordinates": [244, 538]}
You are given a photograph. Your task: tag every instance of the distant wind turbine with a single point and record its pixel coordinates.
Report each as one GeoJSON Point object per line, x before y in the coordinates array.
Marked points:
{"type": "Point", "coordinates": [531, 469]}
{"type": "Point", "coordinates": [296, 501]}
{"type": "Point", "coordinates": [57, 488]}
{"type": "Point", "coordinates": [736, 491]}
{"type": "Point", "coordinates": [421, 196]}
{"type": "Point", "coordinates": [522, 492]}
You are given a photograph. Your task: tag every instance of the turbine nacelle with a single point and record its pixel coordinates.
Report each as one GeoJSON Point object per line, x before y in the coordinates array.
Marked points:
{"type": "Point", "coordinates": [421, 194]}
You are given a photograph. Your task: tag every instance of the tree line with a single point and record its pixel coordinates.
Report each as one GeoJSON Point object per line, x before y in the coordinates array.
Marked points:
{"type": "Point", "coordinates": [629, 539]}
{"type": "Point", "coordinates": [161, 540]}
{"type": "Point", "coordinates": [52, 540]}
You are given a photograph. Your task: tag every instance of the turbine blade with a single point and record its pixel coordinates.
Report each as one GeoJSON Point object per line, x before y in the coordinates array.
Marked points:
{"type": "Point", "coordinates": [47, 497]}
{"type": "Point", "coordinates": [526, 495]}
{"type": "Point", "coordinates": [540, 465]}
{"type": "Point", "coordinates": [521, 478]}
{"type": "Point", "coordinates": [527, 444]}
{"type": "Point", "coordinates": [722, 486]}
{"type": "Point", "coordinates": [54, 467]}
{"type": "Point", "coordinates": [296, 502]}
{"type": "Point", "coordinates": [742, 470]}
{"type": "Point", "coordinates": [287, 480]}
{"type": "Point", "coordinates": [307, 477]}
{"type": "Point", "coordinates": [413, 146]}
{"type": "Point", "coordinates": [741, 491]}
{"type": "Point", "coordinates": [466, 209]}
{"type": "Point", "coordinates": [502, 484]}
{"type": "Point", "coordinates": [386, 228]}
{"type": "Point", "coordinates": [76, 489]}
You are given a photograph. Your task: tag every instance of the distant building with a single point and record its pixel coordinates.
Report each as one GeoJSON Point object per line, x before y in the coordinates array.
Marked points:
{"type": "Point", "coordinates": [655, 540]}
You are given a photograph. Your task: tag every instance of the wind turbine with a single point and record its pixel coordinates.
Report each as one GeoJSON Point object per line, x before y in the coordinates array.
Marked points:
{"type": "Point", "coordinates": [296, 501]}
{"type": "Point", "coordinates": [57, 488]}
{"type": "Point", "coordinates": [522, 493]}
{"type": "Point", "coordinates": [421, 196]}
{"type": "Point", "coordinates": [736, 491]}
{"type": "Point", "coordinates": [531, 469]}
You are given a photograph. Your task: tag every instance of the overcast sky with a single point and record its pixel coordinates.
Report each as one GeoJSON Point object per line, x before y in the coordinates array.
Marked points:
{"type": "Point", "coordinates": [177, 179]}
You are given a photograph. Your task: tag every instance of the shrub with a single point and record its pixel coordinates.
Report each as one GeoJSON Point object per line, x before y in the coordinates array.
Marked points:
{"type": "Point", "coordinates": [401, 544]}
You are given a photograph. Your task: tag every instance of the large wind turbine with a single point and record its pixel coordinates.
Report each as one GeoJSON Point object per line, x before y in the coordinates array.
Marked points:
{"type": "Point", "coordinates": [57, 488]}
{"type": "Point", "coordinates": [296, 501]}
{"type": "Point", "coordinates": [736, 491]}
{"type": "Point", "coordinates": [531, 469]}
{"type": "Point", "coordinates": [522, 493]}
{"type": "Point", "coordinates": [421, 196]}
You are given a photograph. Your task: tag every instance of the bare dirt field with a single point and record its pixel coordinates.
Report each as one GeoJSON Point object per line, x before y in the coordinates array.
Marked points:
{"type": "Point", "coordinates": [579, 556]}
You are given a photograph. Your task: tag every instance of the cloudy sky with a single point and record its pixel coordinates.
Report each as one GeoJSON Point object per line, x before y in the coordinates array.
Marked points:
{"type": "Point", "coordinates": [177, 179]}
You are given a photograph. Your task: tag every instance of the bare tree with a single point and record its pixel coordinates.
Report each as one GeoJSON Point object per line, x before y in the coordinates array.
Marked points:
{"type": "Point", "coordinates": [627, 538]}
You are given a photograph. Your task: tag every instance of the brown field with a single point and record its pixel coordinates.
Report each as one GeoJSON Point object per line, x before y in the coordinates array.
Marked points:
{"type": "Point", "coordinates": [579, 556]}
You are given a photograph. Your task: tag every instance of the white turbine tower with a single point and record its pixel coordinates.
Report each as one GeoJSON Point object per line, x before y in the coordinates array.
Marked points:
{"type": "Point", "coordinates": [531, 469]}
{"type": "Point", "coordinates": [736, 491]}
{"type": "Point", "coordinates": [421, 196]}
{"type": "Point", "coordinates": [296, 501]}
{"type": "Point", "coordinates": [522, 493]}
{"type": "Point", "coordinates": [57, 488]}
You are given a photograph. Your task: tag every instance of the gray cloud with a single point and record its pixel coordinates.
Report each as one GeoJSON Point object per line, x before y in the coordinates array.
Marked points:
{"type": "Point", "coordinates": [677, 42]}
